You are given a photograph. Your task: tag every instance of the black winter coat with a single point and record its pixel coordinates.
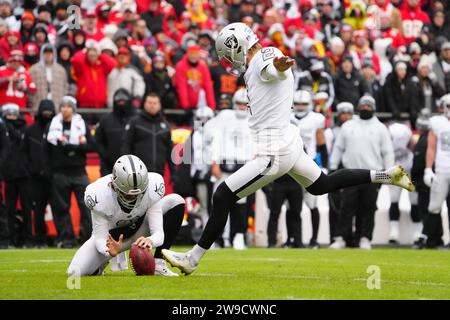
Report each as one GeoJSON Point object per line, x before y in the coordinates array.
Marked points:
{"type": "Point", "coordinates": [34, 142]}
{"type": "Point", "coordinates": [4, 144]}
{"type": "Point", "coordinates": [149, 138]}
{"type": "Point", "coordinates": [15, 166]}
{"type": "Point", "coordinates": [159, 82]}
{"type": "Point", "coordinates": [108, 137]}
{"type": "Point", "coordinates": [401, 97]}
{"type": "Point", "coordinates": [349, 88]}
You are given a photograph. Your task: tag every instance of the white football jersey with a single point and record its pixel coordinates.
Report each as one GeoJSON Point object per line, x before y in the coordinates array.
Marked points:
{"type": "Point", "coordinates": [101, 199]}
{"type": "Point", "coordinates": [401, 136]}
{"type": "Point", "coordinates": [331, 135]}
{"type": "Point", "coordinates": [201, 152]}
{"type": "Point", "coordinates": [270, 103]}
{"type": "Point", "coordinates": [440, 125]}
{"type": "Point", "coordinates": [308, 126]}
{"type": "Point", "coordinates": [232, 140]}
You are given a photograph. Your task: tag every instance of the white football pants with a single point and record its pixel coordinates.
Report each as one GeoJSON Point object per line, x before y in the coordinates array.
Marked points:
{"type": "Point", "coordinates": [264, 169]}
{"type": "Point", "coordinates": [438, 192]}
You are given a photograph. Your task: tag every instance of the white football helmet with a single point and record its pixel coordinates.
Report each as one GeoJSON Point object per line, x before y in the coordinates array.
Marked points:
{"type": "Point", "coordinates": [302, 103]}
{"type": "Point", "coordinates": [233, 43]}
{"type": "Point", "coordinates": [129, 180]}
{"type": "Point", "coordinates": [202, 115]}
{"type": "Point", "coordinates": [444, 102]}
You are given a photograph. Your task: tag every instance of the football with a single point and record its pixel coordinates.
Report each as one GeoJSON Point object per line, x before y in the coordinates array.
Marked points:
{"type": "Point", "coordinates": [142, 261]}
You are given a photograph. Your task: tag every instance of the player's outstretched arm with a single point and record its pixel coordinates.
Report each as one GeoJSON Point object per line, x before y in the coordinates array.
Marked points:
{"type": "Point", "coordinates": [276, 69]}
{"type": "Point", "coordinates": [283, 63]}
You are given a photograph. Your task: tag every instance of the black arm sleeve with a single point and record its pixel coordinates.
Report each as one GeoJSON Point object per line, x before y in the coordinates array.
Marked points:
{"type": "Point", "coordinates": [323, 151]}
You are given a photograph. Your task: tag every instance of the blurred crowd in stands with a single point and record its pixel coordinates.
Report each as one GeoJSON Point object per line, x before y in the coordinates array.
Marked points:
{"type": "Point", "coordinates": [134, 63]}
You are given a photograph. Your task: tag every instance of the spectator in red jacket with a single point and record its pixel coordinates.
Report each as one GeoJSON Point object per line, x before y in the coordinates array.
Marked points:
{"type": "Point", "coordinates": [90, 70]}
{"type": "Point", "coordinates": [192, 76]}
{"type": "Point", "coordinates": [15, 81]}
{"type": "Point", "coordinates": [413, 19]}
{"type": "Point", "coordinates": [9, 42]}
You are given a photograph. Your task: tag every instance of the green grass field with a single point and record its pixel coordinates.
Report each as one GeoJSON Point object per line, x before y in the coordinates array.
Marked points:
{"type": "Point", "coordinates": [252, 274]}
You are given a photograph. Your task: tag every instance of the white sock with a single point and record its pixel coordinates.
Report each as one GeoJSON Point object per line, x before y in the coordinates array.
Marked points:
{"type": "Point", "coordinates": [417, 230]}
{"type": "Point", "coordinates": [379, 177]}
{"type": "Point", "coordinates": [197, 253]}
{"type": "Point", "coordinates": [394, 230]}
{"type": "Point", "coordinates": [338, 239]}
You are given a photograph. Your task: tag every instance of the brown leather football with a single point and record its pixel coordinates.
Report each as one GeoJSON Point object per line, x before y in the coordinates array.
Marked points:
{"type": "Point", "coordinates": [142, 261]}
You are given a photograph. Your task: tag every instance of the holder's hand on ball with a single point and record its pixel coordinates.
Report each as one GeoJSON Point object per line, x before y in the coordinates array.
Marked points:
{"type": "Point", "coordinates": [144, 242]}
{"type": "Point", "coordinates": [114, 247]}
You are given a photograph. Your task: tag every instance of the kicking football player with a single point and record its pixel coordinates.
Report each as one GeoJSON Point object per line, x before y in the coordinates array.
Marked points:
{"type": "Point", "coordinates": [270, 86]}
{"type": "Point", "coordinates": [128, 207]}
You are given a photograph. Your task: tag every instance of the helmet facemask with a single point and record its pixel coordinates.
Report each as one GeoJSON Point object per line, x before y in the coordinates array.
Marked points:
{"type": "Point", "coordinates": [129, 180]}
{"type": "Point", "coordinates": [234, 64]}
{"type": "Point", "coordinates": [301, 109]}
{"type": "Point", "coordinates": [232, 46]}
{"type": "Point", "coordinates": [302, 103]}
{"type": "Point", "coordinates": [129, 199]}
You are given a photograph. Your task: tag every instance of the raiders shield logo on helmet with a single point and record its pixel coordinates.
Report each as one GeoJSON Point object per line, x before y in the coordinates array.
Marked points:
{"type": "Point", "coordinates": [231, 42]}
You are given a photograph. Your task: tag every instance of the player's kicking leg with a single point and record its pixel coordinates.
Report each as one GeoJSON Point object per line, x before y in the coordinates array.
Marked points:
{"type": "Point", "coordinates": [306, 172]}
{"type": "Point", "coordinates": [251, 177]}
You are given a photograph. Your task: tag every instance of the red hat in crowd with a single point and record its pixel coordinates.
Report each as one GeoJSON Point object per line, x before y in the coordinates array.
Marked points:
{"type": "Point", "coordinates": [16, 55]}
{"type": "Point", "coordinates": [91, 14]}
{"type": "Point", "coordinates": [28, 15]}
{"type": "Point", "coordinates": [123, 50]}
{"type": "Point", "coordinates": [193, 48]}
{"type": "Point", "coordinates": [31, 49]}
